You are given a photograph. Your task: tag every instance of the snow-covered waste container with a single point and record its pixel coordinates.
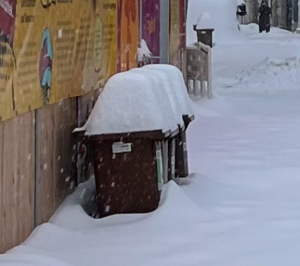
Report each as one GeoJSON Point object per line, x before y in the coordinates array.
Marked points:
{"type": "Point", "coordinates": [168, 98]}
{"type": "Point", "coordinates": [125, 130]}
{"type": "Point", "coordinates": [177, 92]}
{"type": "Point", "coordinates": [204, 29]}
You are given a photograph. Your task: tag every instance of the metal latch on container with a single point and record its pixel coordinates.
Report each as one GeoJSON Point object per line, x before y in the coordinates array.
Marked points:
{"type": "Point", "coordinates": [120, 147]}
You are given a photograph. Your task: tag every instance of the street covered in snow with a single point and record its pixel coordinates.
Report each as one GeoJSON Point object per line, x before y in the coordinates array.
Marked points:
{"type": "Point", "coordinates": [240, 206]}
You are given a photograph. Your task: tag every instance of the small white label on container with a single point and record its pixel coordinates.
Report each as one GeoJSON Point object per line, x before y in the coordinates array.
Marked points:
{"type": "Point", "coordinates": [120, 147]}
{"type": "Point", "coordinates": [184, 146]}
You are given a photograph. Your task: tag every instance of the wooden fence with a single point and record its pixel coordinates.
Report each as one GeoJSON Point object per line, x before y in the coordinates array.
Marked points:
{"type": "Point", "coordinates": [36, 168]}
{"type": "Point", "coordinates": [199, 70]}
{"type": "Point", "coordinates": [36, 148]}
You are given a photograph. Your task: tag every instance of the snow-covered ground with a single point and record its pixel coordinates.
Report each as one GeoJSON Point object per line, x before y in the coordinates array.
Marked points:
{"type": "Point", "coordinates": [241, 205]}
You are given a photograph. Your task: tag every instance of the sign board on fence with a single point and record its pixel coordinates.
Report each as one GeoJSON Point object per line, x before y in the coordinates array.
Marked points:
{"type": "Point", "coordinates": [52, 50]}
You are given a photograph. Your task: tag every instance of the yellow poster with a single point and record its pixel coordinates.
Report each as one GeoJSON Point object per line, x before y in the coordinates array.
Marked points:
{"type": "Point", "coordinates": [7, 58]}
{"type": "Point", "coordinates": [33, 52]}
{"type": "Point", "coordinates": [55, 49]}
{"type": "Point", "coordinates": [109, 13]}
{"type": "Point", "coordinates": [89, 45]}
{"type": "Point", "coordinates": [174, 30]}
{"type": "Point", "coordinates": [129, 19]}
{"type": "Point", "coordinates": [62, 29]}
{"type": "Point", "coordinates": [7, 66]}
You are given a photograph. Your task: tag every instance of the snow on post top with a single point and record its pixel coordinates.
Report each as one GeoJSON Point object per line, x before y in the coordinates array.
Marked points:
{"type": "Point", "coordinates": [143, 51]}
{"type": "Point", "coordinates": [205, 21]}
{"type": "Point", "coordinates": [130, 103]}
{"type": "Point", "coordinates": [176, 87]}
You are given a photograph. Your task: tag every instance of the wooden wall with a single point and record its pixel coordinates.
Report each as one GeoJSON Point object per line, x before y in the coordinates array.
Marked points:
{"type": "Point", "coordinates": [54, 144]}
{"type": "Point", "coordinates": [36, 170]}
{"type": "Point", "coordinates": [16, 180]}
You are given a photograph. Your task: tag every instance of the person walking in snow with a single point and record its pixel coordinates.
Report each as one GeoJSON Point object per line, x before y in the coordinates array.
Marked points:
{"type": "Point", "coordinates": [264, 16]}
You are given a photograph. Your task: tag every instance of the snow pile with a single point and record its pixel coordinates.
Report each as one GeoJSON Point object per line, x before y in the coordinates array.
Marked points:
{"type": "Point", "coordinates": [142, 99]}
{"type": "Point", "coordinates": [270, 76]}
{"type": "Point", "coordinates": [129, 103]}
{"type": "Point", "coordinates": [74, 239]}
{"type": "Point", "coordinates": [223, 16]}
{"type": "Point", "coordinates": [249, 29]}
{"type": "Point", "coordinates": [205, 21]}
{"type": "Point", "coordinates": [176, 87]}
{"type": "Point", "coordinates": [161, 87]}
{"type": "Point", "coordinates": [143, 51]}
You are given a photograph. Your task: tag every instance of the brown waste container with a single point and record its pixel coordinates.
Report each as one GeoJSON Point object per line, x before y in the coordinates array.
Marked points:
{"type": "Point", "coordinates": [205, 35]}
{"type": "Point", "coordinates": [181, 155]}
{"type": "Point", "coordinates": [171, 157]}
{"type": "Point", "coordinates": [128, 171]}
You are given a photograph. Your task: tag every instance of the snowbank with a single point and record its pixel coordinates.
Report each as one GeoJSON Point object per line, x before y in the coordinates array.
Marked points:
{"type": "Point", "coordinates": [223, 16]}
{"type": "Point", "coordinates": [74, 239]}
{"type": "Point", "coordinates": [270, 75]}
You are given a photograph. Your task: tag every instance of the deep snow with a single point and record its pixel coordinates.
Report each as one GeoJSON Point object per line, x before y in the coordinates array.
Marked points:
{"type": "Point", "coordinates": [241, 205]}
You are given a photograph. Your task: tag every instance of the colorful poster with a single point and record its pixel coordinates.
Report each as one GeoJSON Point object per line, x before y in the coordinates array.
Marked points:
{"type": "Point", "coordinates": [109, 12]}
{"type": "Point", "coordinates": [65, 30]}
{"type": "Point", "coordinates": [183, 14]}
{"type": "Point", "coordinates": [86, 71]}
{"type": "Point", "coordinates": [151, 25]}
{"type": "Point", "coordinates": [129, 33]}
{"type": "Point", "coordinates": [33, 52]}
{"type": "Point", "coordinates": [174, 31]}
{"type": "Point", "coordinates": [7, 58]}
{"type": "Point", "coordinates": [54, 49]}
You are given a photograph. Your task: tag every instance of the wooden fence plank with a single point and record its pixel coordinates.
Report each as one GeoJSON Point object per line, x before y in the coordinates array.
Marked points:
{"type": "Point", "coordinates": [54, 146]}
{"type": "Point", "coordinates": [17, 180]}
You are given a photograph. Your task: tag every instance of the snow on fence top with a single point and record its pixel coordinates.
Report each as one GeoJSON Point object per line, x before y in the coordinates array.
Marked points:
{"type": "Point", "coordinates": [130, 102]}
{"type": "Point", "coordinates": [205, 21]}
{"type": "Point", "coordinates": [176, 87]}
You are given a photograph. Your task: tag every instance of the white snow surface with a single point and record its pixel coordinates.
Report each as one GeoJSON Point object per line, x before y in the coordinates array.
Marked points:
{"type": "Point", "coordinates": [143, 51]}
{"type": "Point", "coordinates": [205, 21]}
{"type": "Point", "coordinates": [165, 96]}
{"type": "Point", "coordinates": [241, 204]}
{"type": "Point", "coordinates": [223, 16]}
{"type": "Point", "coordinates": [143, 99]}
{"type": "Point", "coordinates": [132, 101]}
{"type": "Point", "coordinates": [176, 87]}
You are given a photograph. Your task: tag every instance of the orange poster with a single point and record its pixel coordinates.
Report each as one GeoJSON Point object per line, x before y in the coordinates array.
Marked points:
{"type": "Point", "coordinates": [129, 33]}
{"type": "Point", "coordinates": [174, 30]}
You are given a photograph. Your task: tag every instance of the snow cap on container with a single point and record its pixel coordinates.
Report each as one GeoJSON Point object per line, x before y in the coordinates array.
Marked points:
{"type": "Point", "coordinates": [178, 87]}
{"type": "Point", "coordinates": [129, 103]}
{"type": "Point", "coordinates": [165, 97]}
{"type": "Point", "coordinates": [170, 93]}
{"type": "Point", "coordinates": [205, 21]}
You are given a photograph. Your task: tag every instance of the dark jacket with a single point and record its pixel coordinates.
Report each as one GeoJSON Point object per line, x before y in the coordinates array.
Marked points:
{"type": "Point", "coordinates": [264, 15]}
